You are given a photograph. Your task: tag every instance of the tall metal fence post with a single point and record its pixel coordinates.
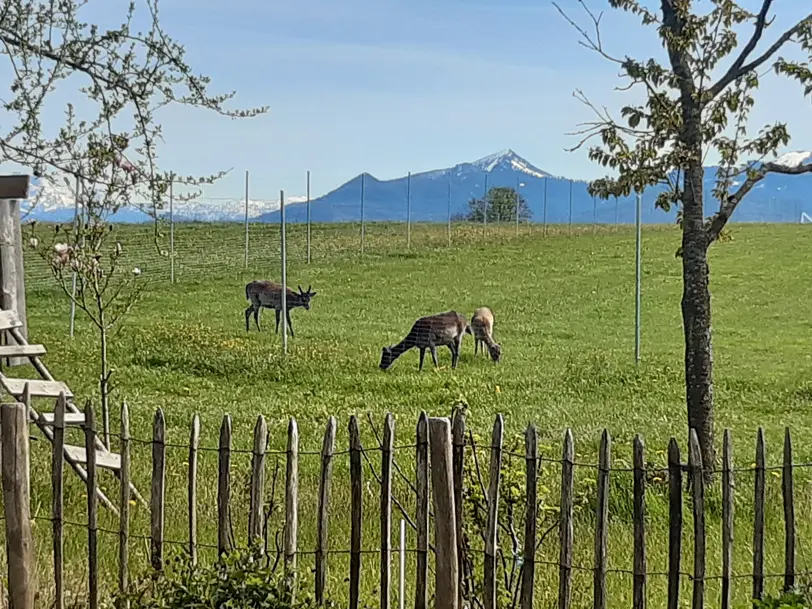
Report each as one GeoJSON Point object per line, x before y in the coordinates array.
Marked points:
{"type": "Point", "coordinates": [284, 260]}
{"type": "Point", "coordinates": [594, 214]}
{"type": "Point", "coordinates": [363, 227]}
{"type": "Point", "coordinates": [638, 276]}
{"type": "Point", "coordinates": [409, 210]}
{"type": "Point", "coordinates": [518, 198]}
{"type": "Point", "coordinates": [545, 207]}
{"type": "Point", "coordinates": [246, 219]}
{"type": "Point", "coordinates": [77, 194]}
{"type": "Point", "coordinates": [570, 220]}
{"type": "Point", "coordinates": [308, 216]}
{"type": "Point", "coordinates": [449, 212]}
{"type": "Point", "coordinates": [485, 203]}
{"type": "Point", "coordinates": [171, 228]}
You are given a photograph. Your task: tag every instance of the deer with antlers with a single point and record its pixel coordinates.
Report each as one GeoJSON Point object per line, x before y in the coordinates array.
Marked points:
{"type": "Point", "coordinates": [269, 295]}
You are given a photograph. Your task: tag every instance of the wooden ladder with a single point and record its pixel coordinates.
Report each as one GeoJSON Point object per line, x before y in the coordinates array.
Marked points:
{"type": "Point", "coordinates": [24, 390]}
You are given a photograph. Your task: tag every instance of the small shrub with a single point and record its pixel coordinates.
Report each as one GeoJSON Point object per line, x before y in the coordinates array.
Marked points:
{"type": "Point", "coordinates": [240, 579]}
{"type": "Point", "coordinates": [792, 599]}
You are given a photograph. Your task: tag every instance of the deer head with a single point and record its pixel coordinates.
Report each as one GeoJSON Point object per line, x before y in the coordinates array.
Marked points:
{"type": "Point", "coordinates": [306, 296]}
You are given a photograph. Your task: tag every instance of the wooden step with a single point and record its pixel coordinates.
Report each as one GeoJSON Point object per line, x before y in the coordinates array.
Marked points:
{"type": "Point", "coordinates": [104, 459]}
{"type": "Point", "coordinates": [71, 418]}
{"type": "Point", "coordinates": [9, 320]}
{"type": "Point", "coordinates": [21, 351]}
{"type": "Point", "coordinates": [38, 388]}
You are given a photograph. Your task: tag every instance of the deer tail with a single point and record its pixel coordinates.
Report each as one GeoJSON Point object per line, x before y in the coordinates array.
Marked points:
{"type": "Point", "coordinates": [247, 297]}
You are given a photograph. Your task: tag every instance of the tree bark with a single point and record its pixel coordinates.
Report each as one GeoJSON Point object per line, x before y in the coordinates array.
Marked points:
{"type": "Point", "coordinates": [696, 314]}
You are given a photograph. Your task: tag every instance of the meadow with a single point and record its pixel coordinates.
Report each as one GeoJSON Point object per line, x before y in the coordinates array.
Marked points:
{"type": "Point", "coordinates": [564, 308]}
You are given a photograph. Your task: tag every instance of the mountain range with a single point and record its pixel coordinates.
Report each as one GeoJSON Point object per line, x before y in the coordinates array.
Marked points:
{"type": "Point", "coordinates": [432, 195]}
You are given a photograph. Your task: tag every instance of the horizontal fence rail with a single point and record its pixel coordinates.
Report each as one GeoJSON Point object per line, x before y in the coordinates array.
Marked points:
{"type": "Point", "coordinates": [475, 557]}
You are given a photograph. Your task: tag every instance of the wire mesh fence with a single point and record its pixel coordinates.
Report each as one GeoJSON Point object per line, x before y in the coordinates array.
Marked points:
{"type": "Point", "coordinates": [195, 238]}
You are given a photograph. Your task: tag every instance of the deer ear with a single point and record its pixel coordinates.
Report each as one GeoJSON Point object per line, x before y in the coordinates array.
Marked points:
{"type": "Point", "coordinates": [308, 287]}
{"type": "Point", "coordinates": [312, 294]}
{"type": "Point", "coordinates": [300, 289]}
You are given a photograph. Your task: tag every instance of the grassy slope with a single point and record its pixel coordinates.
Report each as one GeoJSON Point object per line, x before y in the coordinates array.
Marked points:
{"type": "Point", "coordinates": [564, 310]}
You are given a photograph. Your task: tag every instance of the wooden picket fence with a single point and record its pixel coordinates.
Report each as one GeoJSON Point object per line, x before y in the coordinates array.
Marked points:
{"type": "Point", "coordinates": [440, 449]}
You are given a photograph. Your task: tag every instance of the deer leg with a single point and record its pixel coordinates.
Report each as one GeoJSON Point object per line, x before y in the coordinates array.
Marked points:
{"type": "Point", "coordinates": [290, 323]}
{"type": "Point", "coordinates": [433, 350]}
{"type": "Point", "coordinates": [248, 318]}
{"type": "Point", "coordinates": [453, 355]}
{"type": "Point", "coordinates": [476, 346]}
{"type": "Point", "coordinates": [256, 318]}
{"type": "Point", "coordinates": [422, 355]}
{"type": "Point", "coordinates": [277, 320]}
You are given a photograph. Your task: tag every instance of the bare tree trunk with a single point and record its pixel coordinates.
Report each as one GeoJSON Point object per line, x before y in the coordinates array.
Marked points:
{"type": "Point", "coordinates": [696, 315]}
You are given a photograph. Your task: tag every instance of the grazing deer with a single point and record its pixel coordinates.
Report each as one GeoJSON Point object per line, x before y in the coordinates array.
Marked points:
{"type": "Point", "coordinates": [269, 295]}
{"type": "Point", "coordinates": [429, 333]}
{"type": "Point", "coordinates": [482, 329]}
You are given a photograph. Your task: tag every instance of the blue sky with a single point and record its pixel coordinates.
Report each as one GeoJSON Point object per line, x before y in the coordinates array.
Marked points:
{"type": "Point", "coordinates": [389, 87]}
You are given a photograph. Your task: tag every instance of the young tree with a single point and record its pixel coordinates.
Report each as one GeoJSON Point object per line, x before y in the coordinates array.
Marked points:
{"type": "Point", "coordinates": [108, 142]}
{"type": "Point", "coordinates": [89, 263]}
{"type": "Point", "coordinates": [499, 205]}
{"type": "Point", "coordinates": [697, 103]}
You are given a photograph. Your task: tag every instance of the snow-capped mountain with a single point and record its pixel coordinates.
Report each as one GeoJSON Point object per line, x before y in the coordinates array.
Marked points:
{"type": "Point", "coordinates": [442, 192]}
{"type": "Point", "coordinates": [794, 159]}
{"type": "Point", "coordinates": [436, 194]}
{"type": "Point", "coordinates": [52, 200]}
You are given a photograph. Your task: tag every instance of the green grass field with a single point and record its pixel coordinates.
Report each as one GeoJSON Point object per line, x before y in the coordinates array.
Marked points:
{"type": "Point", "coordinates": [564, 308]}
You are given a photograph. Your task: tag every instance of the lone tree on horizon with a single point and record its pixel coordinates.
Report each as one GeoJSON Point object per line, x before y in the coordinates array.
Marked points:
{"type": "Point", "coordinates": [698, 101]}
{"type": "Point", "coordinates": [499, 205]}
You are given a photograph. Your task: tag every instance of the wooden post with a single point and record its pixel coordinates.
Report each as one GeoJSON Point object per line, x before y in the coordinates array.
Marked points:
{"type": "Point", "coordinates": [92, 510]}
{"type": "Point", "coordinates": [639, 594]}
{"type": "Point", "coordinates": [674, 523]}
{"type": "Point", "coordinates": [421, 595]}
{"type": "Point", "coordinates": [8, 272]}
{"type": "Point", "coordinates": [789, 513]}
{"type": "Point", "coordinates": [445, 529]}
{"type": "Point", "coordinates": [758, 517]}
{"type": "Point", "coordinates": [386, 511]}
{"type": "Point", "coordinates": [495, 478]}
{"type": "Point", "coordinates": [327, 450]}
{"type": "Point", "coordinates": [458, 438]}
{"type": "Point", "coordinates": [356, 484]}
{"type": "Point", "coordinates": [124, 505]}
{"type": "Point", "coordinates": [58, 501]}
{"type": "Point", "coordinates": [602, 522]}
{"type": "Point", "coordinates": [292, 507]}
{"type": "Point", "coordinates": [17, 506]}
{"type": "Point", "coordinates": [698, 485]}
{"type": "Point", "coordinates": [20, 264]}
{"type": "Point", "coordinates": [257, 481]}
{"type": "Point", "coordinates": [158, 493]}
{"type": "Point", "coordinates": [531, 453]}
{"type": "Point", "coordinates": [224, 488]}
{"type": "Point", "coordinates": [194, 443]}
{"type": "Point", "coordinates": [727, 520]}
{"type": "Point", "coordinates": [565, 525]}
{"type": "Point", "coordinates": [13, 189]}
